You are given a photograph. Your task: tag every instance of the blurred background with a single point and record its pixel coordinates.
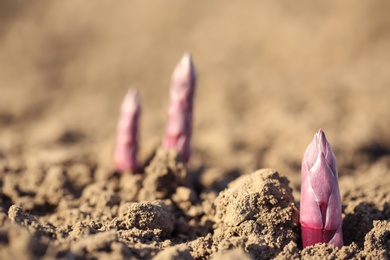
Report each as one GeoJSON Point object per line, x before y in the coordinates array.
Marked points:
{"type": "Point", "coordinates": [270, 75]}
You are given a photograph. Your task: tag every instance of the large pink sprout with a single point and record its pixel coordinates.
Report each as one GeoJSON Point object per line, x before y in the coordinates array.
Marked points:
{"type": "Point", "coordinates": [179, 127]}
{"type": "Point", "coordinates": [125, 155]}
{"type": "Point", "coordinates": [320, 208]}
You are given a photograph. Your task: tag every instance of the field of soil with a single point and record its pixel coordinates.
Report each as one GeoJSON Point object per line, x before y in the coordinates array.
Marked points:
{"type": "Point", "coordinates": [270, 74]}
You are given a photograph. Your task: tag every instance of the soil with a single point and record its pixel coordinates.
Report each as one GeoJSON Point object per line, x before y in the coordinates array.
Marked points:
{"type": "Point", "coordinates": [270, 75]}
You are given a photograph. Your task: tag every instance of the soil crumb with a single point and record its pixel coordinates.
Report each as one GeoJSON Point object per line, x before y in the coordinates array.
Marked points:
{"type": "Point", "coordinates": [256, 212]}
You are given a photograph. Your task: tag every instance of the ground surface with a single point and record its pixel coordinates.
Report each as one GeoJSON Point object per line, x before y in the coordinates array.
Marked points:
{"type": "Point", "coordinates": [270, 75]}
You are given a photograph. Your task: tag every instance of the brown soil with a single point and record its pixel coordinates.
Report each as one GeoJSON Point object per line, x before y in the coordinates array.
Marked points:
{"type": "Point", "coordinates": [270, 75]}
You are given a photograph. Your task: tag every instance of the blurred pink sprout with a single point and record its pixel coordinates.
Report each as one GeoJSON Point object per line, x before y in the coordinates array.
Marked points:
{"type": "Point", "coordinates": [179, 127]}
{"type": "Point", "coordinates": [125, 155]}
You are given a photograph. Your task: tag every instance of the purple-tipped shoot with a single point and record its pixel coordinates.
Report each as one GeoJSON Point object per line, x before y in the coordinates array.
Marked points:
{"type": "Point", "coordinates": [320, 207]}
{"type": "Point", "coordinates": [179, 127]}
{"type": "Point", "coordinates": [125, 155]}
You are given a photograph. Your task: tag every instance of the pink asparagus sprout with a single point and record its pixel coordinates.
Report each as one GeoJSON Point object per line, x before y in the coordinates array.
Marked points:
{"type": "Point", "coordinates": [320, 208]}
{"type": "Point", "coordinates": [179, 127]}
{"type": "Point", "coordinates": [125, 155]}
